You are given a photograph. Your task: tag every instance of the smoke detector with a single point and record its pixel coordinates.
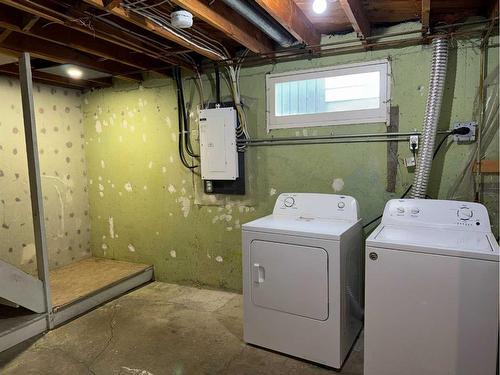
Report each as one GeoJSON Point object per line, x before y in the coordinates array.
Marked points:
{"type": "Point", "coordinates": [181, 19]}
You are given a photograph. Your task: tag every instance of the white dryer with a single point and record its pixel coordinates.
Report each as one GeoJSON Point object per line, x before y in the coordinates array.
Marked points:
{"type": "Point", "coordinates": [302, 277]}
{"type": "Point", "coordinates": [431, 290]}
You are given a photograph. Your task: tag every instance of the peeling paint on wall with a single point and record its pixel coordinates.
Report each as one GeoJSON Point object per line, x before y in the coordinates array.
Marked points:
{"type": "Point", "coordinates": [60, 136]}
{"type": "Point", "coordinates": [337, 185]}
{"type": "Point", "coordinates": [200, 227]}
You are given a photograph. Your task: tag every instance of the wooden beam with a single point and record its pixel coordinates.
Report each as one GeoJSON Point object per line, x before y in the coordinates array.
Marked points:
{"type": "Point", "coordinates": [54, 52]}
{"type": "Point", "coordinates": [53, 79]}
{"type": "Point", "coordinates": [425, 16]}
{"type": "Point", "coordinates": [56, 33]}
{"type": "Point", "coordinates": [5, 34]}
{"type": "Point", "coordinates": [356, 15]}
{"type": "Point", "coordinates": [110, 4]}
{"type": "Point", "coordinates": [99, 30]}
{"type": "Point", "coordinates": [487, 166]}
{"type": "Point", "coordinates": [291, 17]}
{"type": "Point", "coordinates": [219, 16]}
{"type": "Point", "coordinates": [30, 23]}
{"type": "Point", "coordinates": [149, 25]}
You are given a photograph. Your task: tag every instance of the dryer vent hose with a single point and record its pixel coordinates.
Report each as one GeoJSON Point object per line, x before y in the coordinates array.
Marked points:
{"type": "Point", "coordinates": [431, 118]}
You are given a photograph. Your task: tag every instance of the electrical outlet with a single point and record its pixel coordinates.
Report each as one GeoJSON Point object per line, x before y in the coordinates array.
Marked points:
{"type": "Point", "coordinates": [471, 137]}
{"type": "Point", "coordinates": [413, 142]}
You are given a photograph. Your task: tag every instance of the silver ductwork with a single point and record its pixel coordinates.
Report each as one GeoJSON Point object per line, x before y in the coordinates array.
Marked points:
{"type": "Point", "coordinates": [431, 118]}
{"type": "Point", "coordinates": [261, 21]}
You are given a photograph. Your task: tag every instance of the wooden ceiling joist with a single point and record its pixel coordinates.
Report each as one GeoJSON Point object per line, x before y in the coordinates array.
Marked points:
{"type": "Point", "coordinates": [54, 52]}
{"type": "Point", "coordinates": [4, 34]}
{"type": "Point", "coordinates": [425, 16]}
{"type": "Point", "coordinates": [226, 20]}
{"type": "Point", "coordinates": [110, 4]}
{"type": "Point", "coordinates": [291, 17]}
{"type": "Point", "coordinates": [59, 34]}
{"type": "Point", "coordinates": [357, 16]}
{"type": "Point", "coordinates": [98, 30]}
{"type": "Point", "coordinates": [149, 25]}
{"type": "Point", "coordinates": [52, 79]}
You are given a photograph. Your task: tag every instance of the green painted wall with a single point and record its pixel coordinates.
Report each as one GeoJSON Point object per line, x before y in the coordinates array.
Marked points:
{"type": "Point", "coordinates": [63, 169]}
{"type": "Point", "coordinates": [145, 207]}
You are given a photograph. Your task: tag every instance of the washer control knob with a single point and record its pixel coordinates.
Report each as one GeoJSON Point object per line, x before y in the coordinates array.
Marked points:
{"type": "Point", "coordinates": [341, 205]}
{"type": "Point", "coordinates": [400, 210]}
{"type": "Point", "coordinates": [465, 213]}
{"type": "Point", "coordinates": [415, 211]}
{"type": "Point", "coordinates": [289, 202]}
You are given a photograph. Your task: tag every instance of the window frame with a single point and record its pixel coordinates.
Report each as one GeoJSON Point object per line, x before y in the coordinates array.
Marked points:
{"type": "Point", "coordinates": [363, 116]}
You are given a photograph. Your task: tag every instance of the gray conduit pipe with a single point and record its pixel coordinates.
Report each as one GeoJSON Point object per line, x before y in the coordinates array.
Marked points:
{"type": "Point", "coordinates": [431, 118]}
{"type": "Point", "coordinates": [252, 14]}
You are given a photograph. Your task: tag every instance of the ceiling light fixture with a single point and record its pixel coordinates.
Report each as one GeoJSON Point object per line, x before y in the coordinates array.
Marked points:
{"type": "Point", "coordinates": [319, 6]}
{"type": "Point", "coordinates": [74, 73]}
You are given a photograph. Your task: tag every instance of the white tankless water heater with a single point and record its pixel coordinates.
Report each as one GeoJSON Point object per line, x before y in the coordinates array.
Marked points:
{"type": "Point", "coordinates": [302, 277]}
{"type": "Point", "coordinates": [431, 290]}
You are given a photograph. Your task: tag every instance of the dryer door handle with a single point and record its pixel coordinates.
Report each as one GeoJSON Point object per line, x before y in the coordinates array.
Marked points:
{"type": "Point", "coordinates": [258, 273]}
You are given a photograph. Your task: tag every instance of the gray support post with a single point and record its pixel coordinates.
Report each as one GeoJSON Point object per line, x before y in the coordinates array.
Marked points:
{"type": "Point", "coordinates": [35, 180]}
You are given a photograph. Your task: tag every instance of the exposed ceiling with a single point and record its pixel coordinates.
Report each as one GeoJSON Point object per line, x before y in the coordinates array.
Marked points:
{"type": "Point", "coordinates": [123, 39]}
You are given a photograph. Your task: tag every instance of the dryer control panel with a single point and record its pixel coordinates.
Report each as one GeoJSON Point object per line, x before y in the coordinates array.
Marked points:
{"type": "Point", "coordinates": [317, 206]}
{"type": "Point", "coordinates": [437, 213]}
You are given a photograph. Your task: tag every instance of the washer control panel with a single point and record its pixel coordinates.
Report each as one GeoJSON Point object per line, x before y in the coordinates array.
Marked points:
{"type": "Point", "coordinates": [438, 213]}
{"type": "Point", "coordinates": [317, 206]}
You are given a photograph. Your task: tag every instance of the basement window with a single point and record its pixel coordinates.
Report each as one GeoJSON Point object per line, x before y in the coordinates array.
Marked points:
{"type": "Point", "coordinates": [339, 95]}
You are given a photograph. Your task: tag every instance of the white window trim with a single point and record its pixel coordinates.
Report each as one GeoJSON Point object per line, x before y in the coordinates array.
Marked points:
{"type": "Point", "coordinates": [380, 115]}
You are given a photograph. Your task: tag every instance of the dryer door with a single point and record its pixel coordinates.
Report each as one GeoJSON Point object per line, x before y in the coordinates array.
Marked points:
{"type": "Point", "coordinates": [290, 278]}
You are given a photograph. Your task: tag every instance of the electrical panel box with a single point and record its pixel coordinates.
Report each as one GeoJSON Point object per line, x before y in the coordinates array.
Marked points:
{"type": "Point", "coordinates": [218, 152]}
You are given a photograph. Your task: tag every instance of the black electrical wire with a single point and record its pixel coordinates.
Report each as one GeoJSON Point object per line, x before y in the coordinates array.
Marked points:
{"type": "Point", "coordinates": [182, 157]}
{"type": "Point", "coordinates": [217, 85]}
{"type": "Point", "coordinates": [462, 131]}
{"type": "Point", "coordinates": [185, 120]}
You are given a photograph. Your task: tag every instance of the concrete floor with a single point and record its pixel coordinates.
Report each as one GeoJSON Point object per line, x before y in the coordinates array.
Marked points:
{"type": "Point", "coordinates": [155, 330]}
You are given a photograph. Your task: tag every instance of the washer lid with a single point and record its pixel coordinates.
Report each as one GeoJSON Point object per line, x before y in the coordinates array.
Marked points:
{"type": "Point", "coordinates": [476, 245]}
{"type": "Point", "coordinates": [300, 226]}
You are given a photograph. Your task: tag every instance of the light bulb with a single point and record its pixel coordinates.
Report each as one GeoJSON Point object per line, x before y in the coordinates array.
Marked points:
{"type": "Point", "coordinates": [319, 6]}
{"type": "Point", "coordinates": [74, 73]}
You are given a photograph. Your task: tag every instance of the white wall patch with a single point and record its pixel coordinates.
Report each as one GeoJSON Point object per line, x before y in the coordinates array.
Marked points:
{"type": "Point", "coordinates": [173, 253]}
{"type": "Point", "coordinates": [337, 184]}
{"type": "Point", "coordinates": [272, 192]}
{"type": "Point", "coordinates": [128, 187]}
{"type": "Point", "coordinates": [171, 189]}
{"type": "Point", "coordinates": [98, 127]}
{"type": "Point", "coordinates": [131, 247]}
{"type": "Point", "coordinates": [219, 259]}
{"type": "Point", "coordinates": [111, 227]}
{"type": "Point", "coordinates": [185, 205]}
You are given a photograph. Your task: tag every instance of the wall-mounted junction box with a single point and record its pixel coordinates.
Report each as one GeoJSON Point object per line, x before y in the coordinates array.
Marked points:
{"type": "Point", "coordinates": [471, 137]}
{"type": "Point", "coordinates": [218, 153]}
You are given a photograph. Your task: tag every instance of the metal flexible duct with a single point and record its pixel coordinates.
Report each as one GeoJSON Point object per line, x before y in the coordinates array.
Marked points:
{"type": "Point", "coordinates": [256, 17]}
{"type": "Point", "coordinates": [431, 118]}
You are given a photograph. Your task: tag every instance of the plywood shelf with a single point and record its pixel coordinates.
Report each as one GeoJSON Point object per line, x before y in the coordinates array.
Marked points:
{"type": "Point", "coordinates": [88, 277]}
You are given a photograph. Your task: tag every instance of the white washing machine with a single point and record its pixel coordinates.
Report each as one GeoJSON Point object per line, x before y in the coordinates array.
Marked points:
{"type": "Point", "coordinates": [431, 290]}
{"type": "Point", "coordinates": [302, 277]}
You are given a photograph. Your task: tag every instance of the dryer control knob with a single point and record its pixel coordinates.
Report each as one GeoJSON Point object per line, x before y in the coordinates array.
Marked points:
{"type": "Point", "coordinates": [289, 202]}
{"type": "Point", "coordinates": [465, 213]}
{"type": "Point", "coordinates": [341, 205]}
{"type": "Point", "coordinates": [400, 210]}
